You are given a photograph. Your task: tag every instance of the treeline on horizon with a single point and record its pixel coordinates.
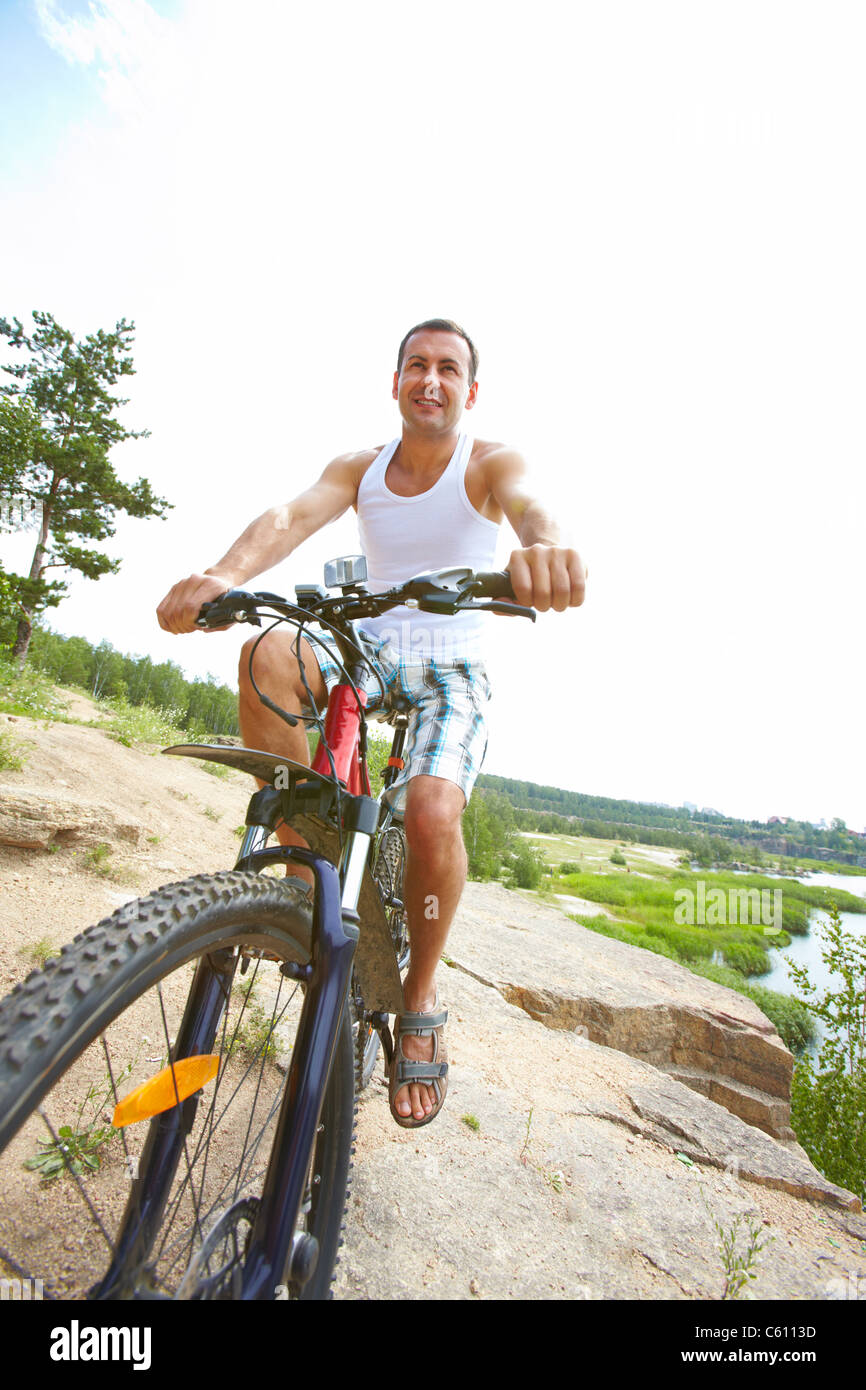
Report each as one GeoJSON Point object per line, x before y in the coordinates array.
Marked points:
{"type": "Point", "coordinates": [554, 810]}
{"type": "Point", "coordinates": [199, 706]}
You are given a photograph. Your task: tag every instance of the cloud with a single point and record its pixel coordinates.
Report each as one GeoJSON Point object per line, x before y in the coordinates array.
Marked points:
{"type": "Point", "coordinates": [124, 41]}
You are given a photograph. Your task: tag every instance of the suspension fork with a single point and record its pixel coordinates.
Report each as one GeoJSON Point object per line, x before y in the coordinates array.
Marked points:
{"type": "Point", "coordinates": [326, 979]}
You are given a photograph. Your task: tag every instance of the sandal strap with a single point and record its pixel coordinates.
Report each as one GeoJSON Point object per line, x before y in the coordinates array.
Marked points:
{"type": "Point", "coordinates": [420, 1071]}
{"type": "Point", "coordinates": [422, 1024]}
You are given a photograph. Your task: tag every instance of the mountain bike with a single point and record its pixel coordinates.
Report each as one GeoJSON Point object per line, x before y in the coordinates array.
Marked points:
{"type": "Point", "coordinates": [178, 1087]}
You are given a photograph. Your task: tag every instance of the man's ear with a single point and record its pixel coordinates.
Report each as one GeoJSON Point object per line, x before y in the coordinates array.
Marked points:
{"type": "Point", "coordinates": [472, 397]}
{"type": "Point", "coordinates": [394, 393]}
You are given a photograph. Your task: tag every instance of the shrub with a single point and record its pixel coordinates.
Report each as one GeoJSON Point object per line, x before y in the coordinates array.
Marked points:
{"type": "Point", "coordinates": [828, 1103]}
{"type": "Point", "coordinates": [525, 867]}
{"type": "Point", "coordinates": [131, 724]}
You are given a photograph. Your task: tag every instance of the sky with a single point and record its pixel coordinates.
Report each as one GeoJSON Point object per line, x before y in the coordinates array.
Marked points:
{"type": "Point", "coordinates": [651, 220]}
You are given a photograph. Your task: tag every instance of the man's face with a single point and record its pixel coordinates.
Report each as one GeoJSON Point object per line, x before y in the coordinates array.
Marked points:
{"type": "Point", "coordinates": [432, 386]}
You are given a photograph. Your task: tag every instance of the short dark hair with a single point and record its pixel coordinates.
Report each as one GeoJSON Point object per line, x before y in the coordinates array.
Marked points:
{"type": "Point", "coordinates": [443, 326]}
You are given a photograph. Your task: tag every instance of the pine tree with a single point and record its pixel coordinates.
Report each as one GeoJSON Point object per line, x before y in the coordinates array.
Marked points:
{"type": "Point", "coordinates": [57, 428]}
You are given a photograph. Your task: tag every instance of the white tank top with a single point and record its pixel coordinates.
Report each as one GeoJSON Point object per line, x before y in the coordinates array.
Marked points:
{"type": "Point", "coordinates": [405, 536]}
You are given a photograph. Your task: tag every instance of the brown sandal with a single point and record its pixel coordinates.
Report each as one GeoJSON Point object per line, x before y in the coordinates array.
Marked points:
{"type": "Point", "coordinates": [403, 1073]}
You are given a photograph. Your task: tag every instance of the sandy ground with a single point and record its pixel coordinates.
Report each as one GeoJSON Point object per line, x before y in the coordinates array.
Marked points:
{"type": "Point", "coordinates": [185, 816]}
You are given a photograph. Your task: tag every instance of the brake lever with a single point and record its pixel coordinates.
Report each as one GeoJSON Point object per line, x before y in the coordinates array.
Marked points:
{"type": "Point", "coordinates": [514, 610]}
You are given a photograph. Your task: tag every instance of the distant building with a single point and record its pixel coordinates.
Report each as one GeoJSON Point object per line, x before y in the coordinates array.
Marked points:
{"type": "Point", "coordinates": [689, 806]}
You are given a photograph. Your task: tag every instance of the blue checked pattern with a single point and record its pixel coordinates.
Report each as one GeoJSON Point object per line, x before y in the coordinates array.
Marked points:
{"type": "Point", "coordinates": [446, 702]}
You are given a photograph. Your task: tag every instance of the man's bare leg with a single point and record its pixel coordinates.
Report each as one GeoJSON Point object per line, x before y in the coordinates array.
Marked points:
{"type": "Point", "coordinates": [433, 882]}
{"type": "Point", "coordinates": [275, 667]}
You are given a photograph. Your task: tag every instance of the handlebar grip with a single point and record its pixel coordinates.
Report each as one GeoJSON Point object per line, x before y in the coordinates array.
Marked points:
{"type": "Point", "coordinates": [496, 584]}
{"type": "Point", "coordinates": [201, 620]}
{"type": "Point", "coordinates": [230, 607]}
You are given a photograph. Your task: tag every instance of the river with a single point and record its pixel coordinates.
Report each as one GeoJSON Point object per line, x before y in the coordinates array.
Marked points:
{"type": "Point", "coordinates": [806, 950]}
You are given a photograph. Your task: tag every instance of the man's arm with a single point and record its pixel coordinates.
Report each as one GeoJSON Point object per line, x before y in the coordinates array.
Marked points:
{"type": "Point", "coordinates": [544, 572]}
{"type": "Point", "coordinates": [270, 539]}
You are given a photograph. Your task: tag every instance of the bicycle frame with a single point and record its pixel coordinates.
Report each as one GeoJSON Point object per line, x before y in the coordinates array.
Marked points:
{"type": "Point", "coordinates": [276, 1252]}
{"type": "Point", "coordinates": [335, 936]}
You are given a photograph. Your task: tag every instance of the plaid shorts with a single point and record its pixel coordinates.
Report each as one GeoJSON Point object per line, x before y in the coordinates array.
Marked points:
{"type": "Point", "coordinates": [446, 702]}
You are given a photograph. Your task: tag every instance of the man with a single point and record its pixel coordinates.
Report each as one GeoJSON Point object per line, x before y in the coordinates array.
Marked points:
{"type": "Point", "coordinates": [430, 499]}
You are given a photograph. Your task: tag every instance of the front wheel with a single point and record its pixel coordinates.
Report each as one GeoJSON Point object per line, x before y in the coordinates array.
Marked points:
{"type": "Point", "coordinates": [166, 1207]}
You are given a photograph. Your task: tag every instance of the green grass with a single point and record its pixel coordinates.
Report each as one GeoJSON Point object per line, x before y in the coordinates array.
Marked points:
{"type": "Point", "coordinates": [134, 724]}
{"type": "Point", "coordinates": [252, 1032]}
{"type": "Point", "coordinates": [647, 907]}
{"type": "Point", "coordinates": [12, 756]}
{"type": "Point", "coordinates": [28, 692]}
{"type": "Point", "coordinates": [39, 951]}
{"type": "Point", "coordinates": [97, 860]}
{"type": "Point", "coordinates": [217, 770]}
{"type": "Point", "coordinates": [643, 904]}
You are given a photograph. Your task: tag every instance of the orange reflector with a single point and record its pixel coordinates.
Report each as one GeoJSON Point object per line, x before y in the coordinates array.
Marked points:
{"type": "Point", "coordinates": [164, 1090]}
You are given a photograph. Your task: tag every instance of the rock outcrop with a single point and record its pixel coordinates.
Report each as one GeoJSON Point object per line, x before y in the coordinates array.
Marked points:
{"type": "Point", "coordinates": [708, 1037]}
{"type": "Point", "coordinates": [31, 818]}
{"type": "Point", "coordinates": [616, 1128]}
{"type": "Point", "coordinates": [563, 1169]}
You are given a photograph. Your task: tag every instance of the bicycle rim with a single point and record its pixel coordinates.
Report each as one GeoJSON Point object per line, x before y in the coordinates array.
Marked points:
{"type": "Point", "coordinates": [86, 1207]}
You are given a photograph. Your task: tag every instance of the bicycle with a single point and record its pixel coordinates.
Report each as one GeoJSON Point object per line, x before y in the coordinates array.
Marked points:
{"type": "Point", "coordinates": [241, 1011]}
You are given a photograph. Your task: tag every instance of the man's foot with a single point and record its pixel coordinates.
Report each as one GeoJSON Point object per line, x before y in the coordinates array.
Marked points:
{"type": "Point", "coordinates": [417, 1079]}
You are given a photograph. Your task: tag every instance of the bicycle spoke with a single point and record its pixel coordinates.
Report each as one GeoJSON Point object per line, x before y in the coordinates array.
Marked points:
{"type": "Point", "coordinates": [177, 1103]}
{"type": "Point", "coordinates": [211, 1126]}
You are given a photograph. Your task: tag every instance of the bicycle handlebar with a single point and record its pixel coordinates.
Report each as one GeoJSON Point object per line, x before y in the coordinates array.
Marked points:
{"type": "Point", "coordinates": [443, 591]}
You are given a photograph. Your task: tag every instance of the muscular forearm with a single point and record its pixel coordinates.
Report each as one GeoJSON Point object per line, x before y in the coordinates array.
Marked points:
{"type": "Point", "coordinates": [267, 541]}
{"type": "Point", "coordinates": [270, 539]}
{"type": "Point", "coordinates": [535, 526]}
{"type": "Point", "coordinates": [263, 544]}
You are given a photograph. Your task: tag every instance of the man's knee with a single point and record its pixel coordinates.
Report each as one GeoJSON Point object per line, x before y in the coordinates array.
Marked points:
{"type": "Point", "coordinates": [434, 811]}
{"type": "Point", "coordinates": [275, 669]}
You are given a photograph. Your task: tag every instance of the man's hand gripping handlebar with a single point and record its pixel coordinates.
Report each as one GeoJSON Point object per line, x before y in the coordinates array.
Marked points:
{"type": "Point", "coordinates": [447, 591]}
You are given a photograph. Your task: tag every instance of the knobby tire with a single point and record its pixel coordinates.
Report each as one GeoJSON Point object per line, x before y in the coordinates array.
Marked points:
{"type": "Point", "coordinates": [96, 1021]}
